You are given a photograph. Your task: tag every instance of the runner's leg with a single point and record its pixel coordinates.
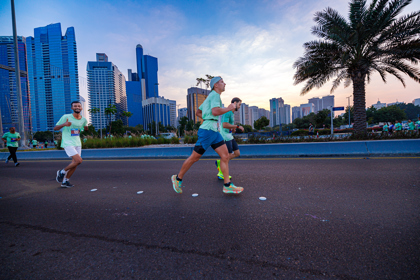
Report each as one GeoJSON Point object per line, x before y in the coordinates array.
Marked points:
{"type": "Point", "coordinates": [76, 160]}
{"type": "Point", "coordinates": [194, 157]}
{"type": "Point", "coordinates": [222, 151]}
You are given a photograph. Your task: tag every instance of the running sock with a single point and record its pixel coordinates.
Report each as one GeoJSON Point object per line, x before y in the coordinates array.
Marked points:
{"type": "Point", "coordinates": [227, 185]}
{"type": "Point", "coordinates": [178, 178]}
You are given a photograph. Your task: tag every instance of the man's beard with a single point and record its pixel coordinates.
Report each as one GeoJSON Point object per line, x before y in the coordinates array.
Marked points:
{"type": "Point", "coordinates": [77, 111]}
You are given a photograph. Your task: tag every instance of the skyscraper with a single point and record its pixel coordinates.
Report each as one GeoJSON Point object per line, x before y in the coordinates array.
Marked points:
{"type": "Point", "coordinates": [8, 94]}
{"type": "Point", "coordinates": [53, 74]}
{"type": "Point", "coordinates": [195, 97]}
{"type": "Point", "coordinates": [182, 112]}
{"type": "Point", "coordinates": [295, 112]}
{"type": "Point", "coordinates": [106, 86]}
{"type": "Point", "coordinates": [327, 101]}
{"type": "Point", "coordinates": [172, 111]}
{"type": "Point", "coordinates": [317, 103]}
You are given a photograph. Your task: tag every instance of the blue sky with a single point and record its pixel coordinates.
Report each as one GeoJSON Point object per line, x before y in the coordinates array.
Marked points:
{"type": "Point", "coordinates": [251, 44]}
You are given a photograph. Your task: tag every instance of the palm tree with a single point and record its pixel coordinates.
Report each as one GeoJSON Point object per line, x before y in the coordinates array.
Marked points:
{"type": "Point", "coordinates": [127, 115]}
{"type": "Point", "coordinates": [109, 112]}
{"type": "Point", "coordinates": [372, 40]}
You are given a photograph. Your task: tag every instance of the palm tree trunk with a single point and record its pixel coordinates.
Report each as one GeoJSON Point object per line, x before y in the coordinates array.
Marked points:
{"type": "Point", "coordinates": [359, 100]}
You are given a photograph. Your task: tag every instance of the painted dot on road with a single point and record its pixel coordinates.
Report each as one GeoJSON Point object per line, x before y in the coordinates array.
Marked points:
{"type": "Point", "coordinates": [139, 192]}
{"type": "Point", "coordinates": [263, 198]}
{"type": "Point", "coordinates": [195, 194]}
{"type": "Point", "coordinates": [93, 190]}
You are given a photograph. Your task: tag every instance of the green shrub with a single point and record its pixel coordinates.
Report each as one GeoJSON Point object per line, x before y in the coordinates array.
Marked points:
{"type": "Point", "coordinates": [174, 140]}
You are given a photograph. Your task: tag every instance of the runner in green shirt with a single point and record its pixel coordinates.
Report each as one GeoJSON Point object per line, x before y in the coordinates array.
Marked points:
{"type": "Point", "coordinates": [46, 144]}
{"type": "Point", "coordinates": [227, 127]}
{"type": "Point", "coordinates": [411, 125]}
{"type": "Point", "coordinates": [208, 135]}
{"type": "Point", "coordinates": [72, 125]}
{"type": "Point", "coordinates": [398, 126]}
{"type": "Point", "coordinates": [418, 124]}
{"type": "Point", "coordinates": [34, 143]}
{"type": "Point", "coordinates": [11, 139]}
{"type": "Point", "coordinates": [385, 128]}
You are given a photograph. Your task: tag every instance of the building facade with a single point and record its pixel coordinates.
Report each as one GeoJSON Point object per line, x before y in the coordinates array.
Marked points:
{"type": "Point", "coordinates": [53, 74]}
{"type": "Point", "coordinates": [106, 87]}
{"type": "Point", "coordinates": [317, 104]}
{"type": "Point", "coordinates": [195, 97]}
{"type": "Point", "coordinates": [306, 109]}
{"type": "Point", "coordinates": [295, 112]}
{"type": "Point", "coordinates": [156, 108]}
{"type": "Point", "coordinates": [8, 92]}
{"type": "Point", "coordinates": [327, 102]}
{"type": "Point", "coordinates": [172, 111]}
{"type": "Point", "coordinates": [182, 112]}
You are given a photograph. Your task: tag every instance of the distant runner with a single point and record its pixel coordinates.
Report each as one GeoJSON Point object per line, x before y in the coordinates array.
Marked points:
{"type": "Point", "coordinates": [72, 125]}
{"type": "Point", "coordinates": [11, 139]}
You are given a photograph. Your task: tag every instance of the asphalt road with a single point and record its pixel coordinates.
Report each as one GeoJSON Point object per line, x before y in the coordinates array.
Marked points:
{"type": "Point", "coordinates": [323, 219]}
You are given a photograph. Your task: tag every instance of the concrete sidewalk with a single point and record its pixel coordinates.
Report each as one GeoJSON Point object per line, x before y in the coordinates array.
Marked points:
{"type": "Point", "coordinates": [409, 147]}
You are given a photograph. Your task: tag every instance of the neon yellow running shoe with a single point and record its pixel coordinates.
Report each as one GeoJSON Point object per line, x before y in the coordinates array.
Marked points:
{"type": "Point", "coordinates": [217, 162]}
{"type": "Point", "coordinates": [176, 184]}
{"type": "Point", "coordinates": [221, 177]}
{"type": "Point", "coordinates": [232, 189]}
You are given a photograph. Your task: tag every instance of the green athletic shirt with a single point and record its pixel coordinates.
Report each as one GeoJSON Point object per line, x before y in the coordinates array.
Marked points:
{"type": "Point", "coordinates": [385, 128]}
{"type": "Point", "coordinates": [12, 139]}
{"type": "Point", "coordinates": [210, 121]}
{"type": "Point", "coordinates": [70, 135]}
{"type": "Point", "coordinates": [418, 124]}
{"type": "Point", "coordinates": [411, 126]}
{"type": "Point", "coordinates": [398, 126]}
{"type": "Point", "coordinates": [34, 142]}
{"type": "Point", "coordinates": [226, 118]}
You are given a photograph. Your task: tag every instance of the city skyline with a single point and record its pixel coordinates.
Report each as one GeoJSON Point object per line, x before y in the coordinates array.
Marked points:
{"type": "Point", "coordinates": [252, 45]}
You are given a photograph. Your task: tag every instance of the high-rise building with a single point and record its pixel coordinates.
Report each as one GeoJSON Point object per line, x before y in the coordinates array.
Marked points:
{"type": "Point", "coordinates": [306, 109]}
{"type": "Point", "coordinates": [53, 74]}
{"type": "Point", "coordinates": [317, 103]}
{"type": "Point", "coordinates": [253, 113]}
{"type": "Point", "coordinates": [279, 112]}
{"type": "Point", "coordinates": [172, 111]}
{"type": "Point", "coordinates": [106, 86]}
{"type": "Point", "coordinates": [8, 92]}
{"type": "Point", "coordinates": [84, 107]}
{"type": "Point", "coordinates": [182, 112]}
{"type": "Point", "coordinates": [195, 97]}
{"type": "Point", "coordinates": [379, 105]}
{"type": "Point", "coordinates": [263, 113]}
{"type": "Point", "coordinates": [156, 108]}
{"type": "Point", "coordinates": [286, 114]}
{"type": "Point", "coordinates": [134, 102]}
{"type": "Point", "coordinates": [327, 102]}
{"type": "Point", "coordinates": [295, 112]}
{"type": "Point", "coordinates": [416, 102]}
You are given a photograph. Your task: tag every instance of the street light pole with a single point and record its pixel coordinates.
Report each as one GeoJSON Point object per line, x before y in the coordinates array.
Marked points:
{"type": "Point", "coordinates": [348, 98]}
{"type": "Point", "coordinates": [17, 74]}
{"type": "Point", "coordinates": [332, 124]}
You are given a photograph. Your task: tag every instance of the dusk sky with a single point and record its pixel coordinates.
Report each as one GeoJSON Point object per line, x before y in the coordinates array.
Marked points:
{"type": "Point", "coordinates": [251, 44]}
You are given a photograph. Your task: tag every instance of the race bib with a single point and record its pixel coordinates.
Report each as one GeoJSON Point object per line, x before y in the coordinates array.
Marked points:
{"type": "Point", "coordinates": [75, 132]}
{"type": "Point", "coordinates": [13, 139]}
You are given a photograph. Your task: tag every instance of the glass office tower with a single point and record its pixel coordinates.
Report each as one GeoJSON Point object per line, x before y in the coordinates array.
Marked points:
{"type": "Point", "coordinates": [8, 93]}
{"type": "Point", "coordinates": [53, 74]}
{"type": "Point", "coordinates": [106, 86]}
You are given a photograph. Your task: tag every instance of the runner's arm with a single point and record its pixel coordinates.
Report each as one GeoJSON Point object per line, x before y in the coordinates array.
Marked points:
{"type": "Point", "coordinates": [217, 111]}
{"type": "Point", "coordinates": [199, 113]}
